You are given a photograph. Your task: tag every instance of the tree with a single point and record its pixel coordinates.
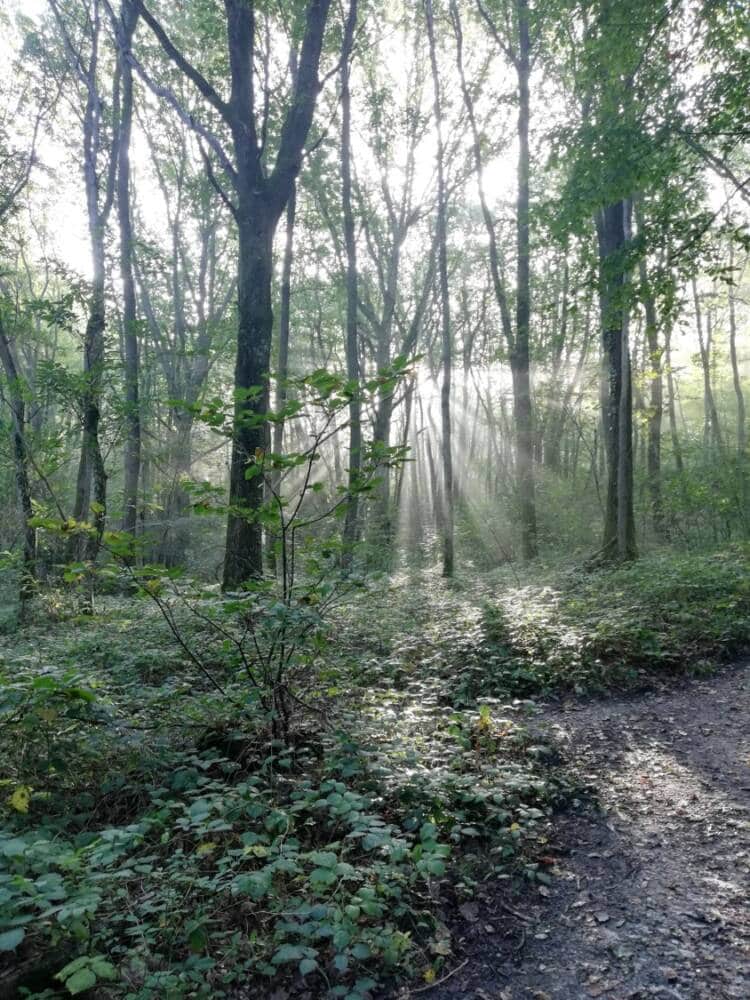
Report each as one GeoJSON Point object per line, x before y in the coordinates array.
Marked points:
{"type": "Point", "coordinates": [125, 31]}
{"type": "Point", "coordinates": [351, 523]}
{"type": "Point", "coordinates": [260, 196]}
{"type": "Point", "coordinates": [100, 171]}
{"type": "Point", "coordinates": [445, 314]}
{"type": "Point", "coordinates": [517, 47]}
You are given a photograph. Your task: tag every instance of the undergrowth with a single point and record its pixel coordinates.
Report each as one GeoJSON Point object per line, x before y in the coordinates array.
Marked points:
{"type": "Point", "coordinates": [158, 843]}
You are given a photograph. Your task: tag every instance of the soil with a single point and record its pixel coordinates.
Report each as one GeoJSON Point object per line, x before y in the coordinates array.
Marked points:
{"type": "Point", "coordinates": [652, 894]}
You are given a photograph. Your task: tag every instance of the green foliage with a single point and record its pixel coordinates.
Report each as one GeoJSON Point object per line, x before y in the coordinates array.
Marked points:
{"type": "Point", "coordinates": [619, 628]}
{"type": "Point", "coordinates": [210, 855]}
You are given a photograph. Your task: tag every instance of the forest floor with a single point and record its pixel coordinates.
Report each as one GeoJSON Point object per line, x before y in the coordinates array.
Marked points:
{"type": "Point", "coordinates": [502, 788]}
{"type": "Point", "coordinates": [651, 898]}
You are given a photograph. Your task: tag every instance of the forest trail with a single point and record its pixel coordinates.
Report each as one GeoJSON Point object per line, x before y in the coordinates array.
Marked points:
{"type": "Point", "coordinates": [652, 894]}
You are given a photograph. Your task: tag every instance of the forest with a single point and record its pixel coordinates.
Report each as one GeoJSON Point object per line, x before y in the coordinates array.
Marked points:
{"type": "Point", "coordinates": [374, 499]}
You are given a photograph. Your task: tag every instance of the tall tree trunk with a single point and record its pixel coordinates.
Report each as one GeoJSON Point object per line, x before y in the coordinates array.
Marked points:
{"type": "Point", "coordinates": [519, 359]}
{"type": "Point", "coordinates": [446, 353]}
{"type": "Point", "coordinates": [672, 404]}
{"type": "Point", "coordinates": [262, 194]}
{"type": "Point", "coordinates": [740, 399]}
{"type": "Point", "coordinates": [617, 398]}
{"type": "Point", "coordinates": [711, 426]}
{"type": "Point", "coordinates": [261, 200]}
{"type": "Point", "coordinates": [129, 19]}
{"type": "Point", "coordinates": [517, 340]}
{"type": "Point", "coordinates": [282, 367]}
{"type": "Point", "coordinates": [91, 462]}
{"type": "Point", "coordinates": [736, 378]}
{"type": "Point", "coordinates": [20, 463]}
{"type": "Point", "coordinates": [176, 535]}
{"type": "Point", "coordinates": [285, 312]}
{"type": "Point", "coordinates": [91, 472]}
{"type": "Point", "coordinates": [244, 551]}
{"type": "Point", "coordinates": [656, 405]}
{"type": "Point", "coordinates": [351, 522]}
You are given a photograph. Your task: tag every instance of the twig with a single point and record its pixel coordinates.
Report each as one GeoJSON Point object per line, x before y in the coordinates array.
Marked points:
{"type": "Point", "coordinates": [439, 982]}
{"type": "Point", "coordinates": [516, 913]}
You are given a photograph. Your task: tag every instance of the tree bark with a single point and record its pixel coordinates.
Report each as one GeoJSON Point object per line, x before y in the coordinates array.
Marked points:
{"type": "Point", "coordinates": [613, 223]}
{"type": "Point", "coordinates": [517, 340]}
{"type": "Point", "coordinates": [742, 471]}
{"type": "Point", "coordinates": [711, 425]}
{"type": "Point", "coordinates": [519, 359]}
{"type": "Point", "coordinates": [129, 20]}
{"type": "Point", "coordinates": [656, 404]}
{"type": "Point", "coordinates": [445, 327]}
{"type": "Point", "coordinates": [20, 463]}
{"type": "Point", "coordinates": [244, 550]}
{"type": "Point", "coordinates": [351, 522]}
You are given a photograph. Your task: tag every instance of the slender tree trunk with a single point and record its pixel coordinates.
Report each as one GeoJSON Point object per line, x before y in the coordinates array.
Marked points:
{"type": "Point", "coordinates": [176, 535]}
{"type": "Point", "coordinates": [736, 378]}
{"type": "Point", "coordinates": [740, 399]}
{"type": "Point", "coordinates": [21, 464]}
{"type": "Point", "coordinates": [91, 462]}
{"type": "Point", "coordinates": [672, 407]}
{"type": "Point", "coordinates": [446, 359]}
{"type": "Point", "coordinates": [129, 18]}
{"type": "Point", "coordinates": [617, 399]}
{"type": "Point", "coordinates": [520, 361]}
{"type": "Point", "coordinates": [655, 408]}
{"type": "Point", "coordinates": [518, 340]}
{"type": "Point", "coordinates": [351, 522]}
{"type": "Point", "coordinates": [285, 312]}
{"type": "Point", "coordinates": [711, 426]}
{"type": "Point", "coordinates": [282, 367]}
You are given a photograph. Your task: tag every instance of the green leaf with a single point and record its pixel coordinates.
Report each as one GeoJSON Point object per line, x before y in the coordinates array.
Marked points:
{"type": "Point", "coordinates": [10, 940]}
{"type": "Point", "coordinates": [322, 877]}
{"type": "Point", "coordinates": [80, 981]}
{"type": "Point", "coordinates": [103, 969]}
{"type": "Point", "coordinates": [323, 859]}
{"type": "Point", "coordinates": [288, 953]}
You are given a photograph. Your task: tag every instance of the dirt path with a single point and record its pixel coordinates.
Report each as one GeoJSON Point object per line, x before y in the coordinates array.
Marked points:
{"type": "Point", "coordinates": [653, 893]}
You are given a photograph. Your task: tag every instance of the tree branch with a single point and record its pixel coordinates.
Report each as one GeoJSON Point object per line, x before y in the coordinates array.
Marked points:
{"type": "Point", "coordinates": [181, 62]}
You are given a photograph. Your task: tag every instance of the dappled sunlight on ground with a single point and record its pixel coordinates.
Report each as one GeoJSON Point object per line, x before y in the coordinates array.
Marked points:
{"type": "Point", "coordinates": [651, 894]}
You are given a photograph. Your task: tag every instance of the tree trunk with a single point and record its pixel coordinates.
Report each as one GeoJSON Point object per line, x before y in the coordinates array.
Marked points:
{"type": "Point", "coordinates": [617, 398]}
{"type": "Point", "coordinates": [351, 522]}
{"type": "Point", "coordinates": [518, 340]}
{"type": "Point", "coordinates": [522, 407]}
{"type": "Point", "coordinates": [129, 18]}
{"type": "Point", "coordinates": [244, 552]}
{"type": "Point", "coordinates": [261, 200]}
{"type": "Point", "coordinates": [282, 368]}
{"type": "Point", "coordinates": [740, 398]}
{"type": "Point", "coordinates": [446, 345]}
{"type": "Point", "coordinates": [176, 535]}
{"type": "Point", "coordinates": [711, 426]}
{"type": "Point", "coordinates": [655, 408]}
{"type": "Point", "coordinates": [21, 464]}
